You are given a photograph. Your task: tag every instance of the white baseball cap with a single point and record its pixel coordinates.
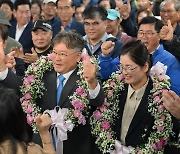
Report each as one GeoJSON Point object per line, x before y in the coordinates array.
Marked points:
{"type": "Point", "coordinates": [48, 1]}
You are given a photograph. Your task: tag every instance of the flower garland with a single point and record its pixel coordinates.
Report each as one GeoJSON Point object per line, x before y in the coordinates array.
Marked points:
{"type": "Point", "coordinates": [103, 118]}
{"type": "Point", "coordinates": [33, 88]}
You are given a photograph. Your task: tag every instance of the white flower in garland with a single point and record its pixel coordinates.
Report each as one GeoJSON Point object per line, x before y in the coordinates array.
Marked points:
{"type": "Point", "coordinates": [103, 118]}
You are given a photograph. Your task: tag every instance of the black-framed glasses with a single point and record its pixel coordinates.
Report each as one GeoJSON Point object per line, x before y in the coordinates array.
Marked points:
{"type": "Point", "coordinates": [128, 68]}
{"type": "Point", "coordinates": [147, 33]}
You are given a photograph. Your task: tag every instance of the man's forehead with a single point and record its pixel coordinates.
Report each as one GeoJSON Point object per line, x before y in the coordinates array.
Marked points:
{"type": "Point", "coordinates": [23, 7]}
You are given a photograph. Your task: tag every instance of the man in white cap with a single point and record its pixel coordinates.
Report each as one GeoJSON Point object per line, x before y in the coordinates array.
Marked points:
{"type": "Point", "coordinates": [113, 22]}
{"type": "Point", "coordinates": [49, 11]}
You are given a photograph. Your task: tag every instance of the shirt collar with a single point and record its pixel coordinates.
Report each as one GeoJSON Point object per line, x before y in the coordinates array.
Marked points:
{"type": "Point", "coordinates": [137, 93]}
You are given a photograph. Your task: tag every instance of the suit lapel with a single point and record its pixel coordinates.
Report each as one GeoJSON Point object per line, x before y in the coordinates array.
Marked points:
{"type": "Point", "coordinates": [68, 89]}
{"type": "Point", "coordinates": [142, 109]}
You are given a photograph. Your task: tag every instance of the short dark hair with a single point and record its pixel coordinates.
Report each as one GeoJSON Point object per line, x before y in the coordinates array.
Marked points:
{"type": "Point", "coordinates": [111, 2]}
{"type": "Point", "coordinates": [8, 2]}
{"type": "Point", "coordinates": [21, 2]}
{"type": "Point", "coordinates": [92, 11]}
{"type": "Point", "coordinates": [71, 39]}
{"type": "Point", "coordinates": [152, 20]}
{"type": "Point", "coordinates": [137, 52]}
{"type": "Point", "coordinates": [72, 3]}
{"type": "Point", "coordinates": [4, 32]}
{"type": "Point", "coordinates": [12, 119]}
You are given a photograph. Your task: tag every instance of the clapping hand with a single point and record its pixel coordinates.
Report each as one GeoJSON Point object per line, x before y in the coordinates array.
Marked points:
{"type": "Point", "coordinates": [18, 52]}
{"type": "Point", "coordinates": [89, 73]}
{"type": "Point", "coordinates": [30, 57]}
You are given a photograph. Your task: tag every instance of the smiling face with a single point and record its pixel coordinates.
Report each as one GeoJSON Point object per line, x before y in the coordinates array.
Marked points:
{"type": "Point", "coordinates": [166, 12]}
{"type": "Point", "coordinates": [65, 10]}
{"type": "Point", "coordinates": [23, 14]}
{"type": "Point", "coordinates": [149, 37]}
{"type": "Point", "coordinates": [95, 29]}
{"type": "Point", "coordinates": [64, 59]}
{"type": "Point", "coordinates": [133, 73]}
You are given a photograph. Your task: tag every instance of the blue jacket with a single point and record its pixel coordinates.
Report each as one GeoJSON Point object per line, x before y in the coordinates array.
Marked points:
{"type": "Point", "coordinates": [109, 65]}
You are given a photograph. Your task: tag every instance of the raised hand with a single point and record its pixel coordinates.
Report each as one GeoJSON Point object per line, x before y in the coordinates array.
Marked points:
{"type": "Point", "coordinates": [30, 57]}
{"type": "Point", "coordinates": [166, 33]}
{"type": "Point", "coordinates": [124, 9]}
{"type": "Point", "coordinates": [107, 47]}
{"type": "Point", "coordinates": [10, 60]}
{"type": "Point", "coordinates": [89, 73]}
{"type": "Point", "coordinates": [43, 123]}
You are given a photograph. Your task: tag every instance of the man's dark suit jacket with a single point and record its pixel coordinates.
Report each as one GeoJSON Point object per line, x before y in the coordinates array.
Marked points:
{"type": "Point", "coordinates": [141, 120]}
{"type": "Point", "coordinates": [26, 37]}
{"type": "Point", "coordinates": [79, 140]}
{"type": "Point", "coordinates": [75, 26]}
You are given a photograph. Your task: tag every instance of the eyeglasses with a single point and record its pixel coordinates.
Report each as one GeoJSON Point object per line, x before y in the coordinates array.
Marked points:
{"type": "Point", "coordinates": [127, 68]}
{"type": "Point", "coordinates": [167, 11]}
{"type": "Point", "coordinates": [62, 54]}
{"type": "Point", "coordinates": [94, 24]}
{"type": "Point", "coordinates": [147, 34]}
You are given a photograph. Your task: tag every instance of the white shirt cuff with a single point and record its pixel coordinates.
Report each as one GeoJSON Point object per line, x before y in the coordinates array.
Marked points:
{"type": "Point", "coordinates": [3, 74]}
{"type": "Point", "coordinates": [93, 93]}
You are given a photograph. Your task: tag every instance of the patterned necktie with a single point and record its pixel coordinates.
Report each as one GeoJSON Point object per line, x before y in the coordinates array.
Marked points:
{"type": "Point", "coordinates": [59, 89]}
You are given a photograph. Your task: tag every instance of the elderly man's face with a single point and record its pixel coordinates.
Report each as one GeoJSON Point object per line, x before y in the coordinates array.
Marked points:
{"type": "Point", "coordinates": [64, 59]}
{"type": "Point", "coordinates": [41, 38]}
{"type": "Point", "coordinates": [167, 11]}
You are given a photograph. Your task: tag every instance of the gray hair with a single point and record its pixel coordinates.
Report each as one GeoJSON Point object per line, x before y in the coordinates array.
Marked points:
{"type": "Point", "coordinates": [71, 39]}
{"type": "Point", "coordinates": [176, 4]}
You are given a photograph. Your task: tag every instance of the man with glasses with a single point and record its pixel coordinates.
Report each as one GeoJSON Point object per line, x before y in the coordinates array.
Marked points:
{"type": "Point", "coordinates": [67, 50]}
{"type": "Point", "coordinates": [95, 24]}
{"type": "Point", "coordinates": [170, 34]}
{"type": "Point", "coordinates": [65, 11]}
{"type": "Point", "coordinates": [148, 33]}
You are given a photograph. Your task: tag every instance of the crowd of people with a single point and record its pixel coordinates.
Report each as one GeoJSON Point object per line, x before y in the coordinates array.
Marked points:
{"type": "Point", "coordinates": [127, 35]}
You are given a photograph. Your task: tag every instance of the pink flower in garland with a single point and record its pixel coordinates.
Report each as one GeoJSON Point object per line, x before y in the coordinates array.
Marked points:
{"type": "Point", "coordinates": [157, 99]}
{"type": "Point", "coordinates": [120, 77]}
{"type": "Point", "coordinates": [27, 96]}
{"type": "Point", "coordinates": [103, 108]}
{"type": "Point", "coordinates": [163, 118]}
{"type": "Point", "coordinates": [160, 128]}
{"type": "Point", "coordinates": [30, 119]}
{"type": "Point", "coordinates": [160, 144]}
{"type": "Point", "coordinates": [97, 115]}
{"type": "Point", "coordinates": [78, 104]}
{"type": "Point", "coordinates": [24, 103]}
{"type": "Point", "coordinates": [29, 79]}
{"type": "Point", "coordinates": [29, 109]}
{"type": "Point", "coordinates": [109, 135]}
{"type": "Point", "coordinates": [84, 95]}
{"type": "Point", "coordinates": [105, 125]}
{"type": "Point", "coordinates": [79, 91]}
{"type": "Point", "coordinates": [49, 56]}
{"type": "Point", "coordinates": [82, 120]}
{"type": "Point", "coordinates": [112, 83]}
{"type": "Point", "coordinates": [160, 108]}
{"type": "Point", "coordinates": [76, 113]}
{"type": "Point", "coordinates": [110, 93]}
